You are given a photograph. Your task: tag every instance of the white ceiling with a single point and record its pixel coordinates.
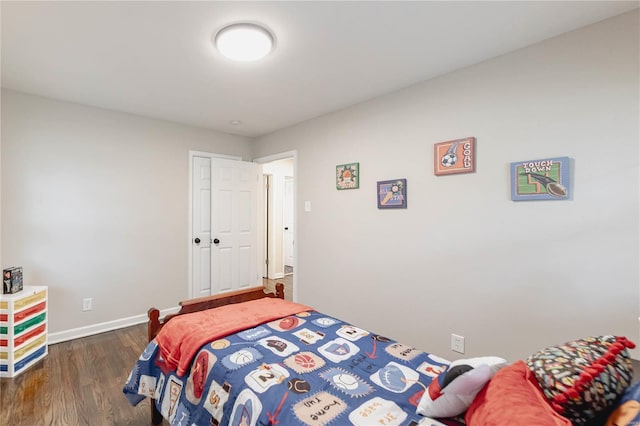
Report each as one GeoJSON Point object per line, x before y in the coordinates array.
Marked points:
{"type": "Point", "coordinates": [156, 58]}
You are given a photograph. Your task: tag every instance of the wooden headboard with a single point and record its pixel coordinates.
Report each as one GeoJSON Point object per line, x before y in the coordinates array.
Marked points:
{"type": "Point", "coordinates": [200, 304]}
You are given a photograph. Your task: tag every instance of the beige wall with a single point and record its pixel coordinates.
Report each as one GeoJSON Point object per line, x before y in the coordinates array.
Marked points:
{"type": "Point", "coordinates": [95, 204]}
{"type": "Point", "coordinates": [463, 258]}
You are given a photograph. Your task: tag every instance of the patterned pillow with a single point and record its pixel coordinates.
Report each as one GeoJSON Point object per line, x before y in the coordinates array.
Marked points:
{"type": "Point", "coordinates": [583, 377]}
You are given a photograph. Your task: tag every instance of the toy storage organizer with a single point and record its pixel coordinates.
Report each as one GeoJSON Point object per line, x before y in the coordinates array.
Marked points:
{"type": "Point", "coordinates": [23, 329]}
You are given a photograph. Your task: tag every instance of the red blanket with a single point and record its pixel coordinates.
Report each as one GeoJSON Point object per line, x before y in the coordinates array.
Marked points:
{"type": "Point", "coordinates": [182, 337]}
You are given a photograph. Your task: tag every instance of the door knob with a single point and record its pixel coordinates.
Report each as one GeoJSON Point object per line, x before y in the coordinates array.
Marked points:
{"type": "Point", "coordinates": [216, 241]}
{"type": "Point", "coordinates": [197, 241]}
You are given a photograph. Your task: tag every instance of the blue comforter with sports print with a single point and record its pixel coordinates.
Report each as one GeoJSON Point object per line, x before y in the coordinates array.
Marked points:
{"type": "Point", "coordinates": [306, 369]}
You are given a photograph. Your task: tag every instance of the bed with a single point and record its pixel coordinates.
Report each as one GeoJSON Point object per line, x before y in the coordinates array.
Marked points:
{"type": "Point", "coordinates": [251, 358]}
{"type": "Point", "coordinates": [302, 368]}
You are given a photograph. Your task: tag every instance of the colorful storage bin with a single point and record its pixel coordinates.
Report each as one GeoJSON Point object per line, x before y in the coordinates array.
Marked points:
{"type": "Point", "coordinates": [23, 329]}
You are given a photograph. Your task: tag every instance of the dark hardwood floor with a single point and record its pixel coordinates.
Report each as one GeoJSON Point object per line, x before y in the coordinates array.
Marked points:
{"type": "Point", "coordinates": [79, 383]}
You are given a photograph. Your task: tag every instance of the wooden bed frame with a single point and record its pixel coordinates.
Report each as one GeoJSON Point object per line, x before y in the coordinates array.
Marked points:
{"type": "Point", "coordinates": [200, 304]}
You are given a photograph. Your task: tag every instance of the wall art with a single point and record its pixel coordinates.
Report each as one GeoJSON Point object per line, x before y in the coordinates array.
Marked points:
{"type": "Point", "coordinates": [392, 194]}
{"type": "Point", "coordinates": [348, 176]}
{"type": "Point", "coordinates": [454, 157]}
{"type": "Point", "coordinates": [547, 179]}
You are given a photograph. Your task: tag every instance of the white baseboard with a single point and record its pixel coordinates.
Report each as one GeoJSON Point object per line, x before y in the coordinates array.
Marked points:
{"type": "Point", "coordinates": [90, 330]}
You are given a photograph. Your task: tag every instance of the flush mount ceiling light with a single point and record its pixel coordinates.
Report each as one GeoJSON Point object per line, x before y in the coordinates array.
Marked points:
{"type": "Point", "coordinates": [244, 42]}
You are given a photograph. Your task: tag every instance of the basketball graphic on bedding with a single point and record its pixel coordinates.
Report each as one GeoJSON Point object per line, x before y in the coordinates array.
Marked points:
{"type": "Point", "coordinates": [304, 362]}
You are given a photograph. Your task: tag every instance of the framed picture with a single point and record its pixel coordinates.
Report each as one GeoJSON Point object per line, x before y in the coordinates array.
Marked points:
{"type": "Point", "coordinates": [546, 179]}
{"type": "Point", "coordinates": [348, 176]}
{"type": "Point", "coordinates": [454, 157]}
{"type": "Point", "coordinates": [392, 194]}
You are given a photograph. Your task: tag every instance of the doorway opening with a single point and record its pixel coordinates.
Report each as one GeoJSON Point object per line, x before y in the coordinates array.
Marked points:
{"type": "Point", "coordinates": [279, 232]}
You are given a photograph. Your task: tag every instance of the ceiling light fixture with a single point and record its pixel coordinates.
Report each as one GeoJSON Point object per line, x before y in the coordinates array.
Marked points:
{"type": "Point", "coordinates": [244, 42]}
{"type": "Point", "coordinates": [235, 122]}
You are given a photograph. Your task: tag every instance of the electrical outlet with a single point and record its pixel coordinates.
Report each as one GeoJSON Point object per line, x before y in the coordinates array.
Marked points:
{"type": "Point", "coordinates": [457, 343]}
{"type": "Point", "coordinates": [87, 304]}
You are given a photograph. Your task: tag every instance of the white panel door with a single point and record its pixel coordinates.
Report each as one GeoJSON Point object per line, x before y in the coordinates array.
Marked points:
{"type": "Point", "coordinates": [234, 220]}
{"type": "Point", "coordinates": [201, 227]}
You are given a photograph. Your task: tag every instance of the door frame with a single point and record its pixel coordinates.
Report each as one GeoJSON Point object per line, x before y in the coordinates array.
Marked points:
{"type": "Point", "coordinates": [268, 159]}
{"type": "Point", "coordinates": [190, 212]}
{"type": "Point", "coordinates": [286, 200]}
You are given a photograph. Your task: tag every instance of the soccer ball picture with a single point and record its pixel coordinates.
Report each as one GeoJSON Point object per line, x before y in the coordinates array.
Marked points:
{"type": "Point", "coordinates": [449, 159]}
